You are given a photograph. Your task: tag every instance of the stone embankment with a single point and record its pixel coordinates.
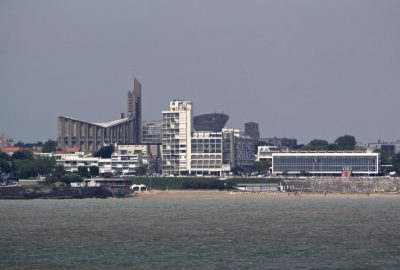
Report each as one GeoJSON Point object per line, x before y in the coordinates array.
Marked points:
{"type": "Point", "coordinates": [62, 192]}
{"type": "Point", "coordinates": [351, 185]}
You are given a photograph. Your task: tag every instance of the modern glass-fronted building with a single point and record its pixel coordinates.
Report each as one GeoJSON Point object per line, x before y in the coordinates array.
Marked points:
{"type": "Point", "coordinates": [151, 132]}
{"type": "Point", "coordinates": [327, 163]}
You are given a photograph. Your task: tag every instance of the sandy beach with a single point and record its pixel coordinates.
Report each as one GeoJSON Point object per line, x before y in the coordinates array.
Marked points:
{"type": "Point", "coordinates": [229, 194]}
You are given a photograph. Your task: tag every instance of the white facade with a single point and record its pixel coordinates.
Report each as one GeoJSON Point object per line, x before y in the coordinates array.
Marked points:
{"type": "Point", "coordinates": [265, 152]}
{"type": "Point", "coordinates": [71, 162]}
{"type": "Point", "coordinates": [117, 164]}
{"type": "Point", "coordinates": [206, 154]}
{"type": "Point", "coordinates": [126, 164]}
{"type": "Point", "coordinates": [176, 138]}
{"type": "Point", "coordinates": [325, 163]}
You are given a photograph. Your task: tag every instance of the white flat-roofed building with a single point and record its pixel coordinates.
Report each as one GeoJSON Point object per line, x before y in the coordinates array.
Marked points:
{"type": "Point", "coordinates": [71, 162]}
{"type": "Point", "coordinates": [126, 164]}
{"type": "Point", "coordinates": [325, 163]}
{"type": "Point", "coordinates": [118, 164]}
{"type": "Point", "coordinates": [206, 154]}
{"type": "Point", "coordinates": [105, 165]}
{"type": "Point", "coordinates": [150, 150]}
{"type": "Point", "coordinates": [265, 152]}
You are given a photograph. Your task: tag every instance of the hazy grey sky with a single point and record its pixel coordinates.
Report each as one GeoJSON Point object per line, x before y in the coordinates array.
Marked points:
{"type": "Point", "coordinates": [303, 69]}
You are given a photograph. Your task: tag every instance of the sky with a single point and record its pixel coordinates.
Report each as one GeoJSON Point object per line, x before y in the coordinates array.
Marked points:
{"type": "Point", "coordinates": [301, 69]}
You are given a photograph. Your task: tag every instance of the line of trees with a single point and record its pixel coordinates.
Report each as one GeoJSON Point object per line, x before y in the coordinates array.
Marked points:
{"type": "Point", "coordinates": [343, 143]}
{"type": "Point", "coordinates": [49, 146]}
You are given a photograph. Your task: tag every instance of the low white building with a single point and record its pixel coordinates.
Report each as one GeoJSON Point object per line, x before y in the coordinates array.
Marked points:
{"type": "Point", "coordinates": [325, 163]}
{"type": "Point", "coordinates": [265, 152]}
{"type": "Point", "coordinates": [206, 154]}
{"type": "Point", "coordinates": [71, 162]}
{"type": "Point", "coordinates": [127, 164]}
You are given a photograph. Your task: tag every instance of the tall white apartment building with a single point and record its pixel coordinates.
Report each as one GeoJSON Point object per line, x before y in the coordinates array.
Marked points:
{"type": "Point", "coordinates": [176, 138]}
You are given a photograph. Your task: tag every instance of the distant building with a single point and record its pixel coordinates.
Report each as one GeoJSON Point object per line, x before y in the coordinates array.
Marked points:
{"type": "Point", "coordinates": [214, 122]}
{"type": "Point", "coordinates": [264, 153]}
{"type": "Point", "coordinates": [11, 150]}
{"type": "Point", "coordinates": [91, 137]}
{"type": "Point", "coordinates": [135, 110]}
{"type": "Point", "coordinates": [151, 155]}
{"type": "Point", "coordinates": [151, 150]}
{"type": "Point", "coordinates": [5, 142]}
{"type": "Point", "coordinates": [206, 154]}
{"type": "Point", "coordinates": [325, 163]}
{"type": "Point", "coordinates": [245, 151]}
{"type": "Point", "coordinates": [151, 132]}
{"type": "Point", "coordinates": [251, 129]}
{"type": "Point", "coordinates": [189, 152]}
{"type": "Point", "coordinates": [72, 161]}
{"type": "Point", "coordinates": [118, 164]}
{"type": "Point", "coordinates": [389, 147]}
{"type": "Point", "coordinates": [281, 142]}
{"type": "Point", "coordinates": [238, 149]}
{"type": "Point", "coordinates": [176, 138]}
{"type": "Point", "coordinates": [229, 146]}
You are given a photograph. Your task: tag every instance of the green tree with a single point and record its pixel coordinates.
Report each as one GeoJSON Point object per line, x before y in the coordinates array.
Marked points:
{"type": "Point", "coordinates": [396, 163]}
{"type": "Point", "coordinates": [26, 168]}
{"type": "Point", "coordinates": [262, 166]}
{"type": "Point", "coordinates": [71, 177]}
{"type": "Point", "coordinates": [23, 154]}
{"type": "Point", "coordinates": [332, 147]}
{"type": "Point", "coordinates": [4, 166]}
{"type": "Point", "coordinates": [385, 157]}
{"type": "Point", "coordinates": [83, 171]}
{"type": "Point", "coordinates": [50, 146]}
{"type": "Point", "coordinates": [44, 165]}
{"type": "Point", "coordinates": [4, 156]}
{"type": "Point", "coordinates": [58, 173]}
{"type": "Point", "coordinates": [316, 145]}
{"type": "Point", "coordinates": [346, 142]}
{"type": "Point", "coordinates": [94, 171]}
{"type": "Point", "coordinates": [105, 152]}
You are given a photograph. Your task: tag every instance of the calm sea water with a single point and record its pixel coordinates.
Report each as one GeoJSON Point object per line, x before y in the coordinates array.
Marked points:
{"type": "Point", "coordinates": [195, 233]}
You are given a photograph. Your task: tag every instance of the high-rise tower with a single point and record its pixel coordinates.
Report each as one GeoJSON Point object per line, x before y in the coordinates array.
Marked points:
{"type": "Point", "coordinates": [176, 138]}
{"type": "Point", "coordinates": [251, 129]}
{"type": "Point", "coordinates": [135, 109]}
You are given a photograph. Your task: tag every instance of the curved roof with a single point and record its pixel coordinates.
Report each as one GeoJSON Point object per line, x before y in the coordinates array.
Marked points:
{"type": "Point", "coordinates": [210, 122]}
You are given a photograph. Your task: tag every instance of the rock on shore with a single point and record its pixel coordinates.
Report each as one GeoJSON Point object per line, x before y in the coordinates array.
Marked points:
{"type": "Point", "coordinates": [61, 192]}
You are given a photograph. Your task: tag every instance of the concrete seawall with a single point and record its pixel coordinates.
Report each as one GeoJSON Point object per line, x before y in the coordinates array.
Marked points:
{"type": "Point", "coordinates": [356, 185]}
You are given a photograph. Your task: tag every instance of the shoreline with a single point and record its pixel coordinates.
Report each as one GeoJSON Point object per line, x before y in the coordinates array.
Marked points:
{"type": "Point", "coordinates": [47, 193]}
{"type": "Point", "coordinates": [180, 193]}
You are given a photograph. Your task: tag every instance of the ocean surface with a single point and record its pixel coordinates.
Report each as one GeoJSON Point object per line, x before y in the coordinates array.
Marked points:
{"type": "Point", "coordinates": [231, 232]}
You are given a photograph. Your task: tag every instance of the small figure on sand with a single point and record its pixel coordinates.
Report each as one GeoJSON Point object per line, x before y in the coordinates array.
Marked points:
{"type": "Point", "coordinates": [325, 192]}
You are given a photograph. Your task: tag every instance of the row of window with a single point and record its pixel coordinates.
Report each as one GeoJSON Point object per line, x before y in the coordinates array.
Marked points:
{"type": "Point", "coordinates": [323, 163]}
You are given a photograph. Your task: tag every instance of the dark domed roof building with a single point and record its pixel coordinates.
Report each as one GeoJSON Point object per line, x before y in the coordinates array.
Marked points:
{"type": "Point", "coordinates": [214, 122]}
